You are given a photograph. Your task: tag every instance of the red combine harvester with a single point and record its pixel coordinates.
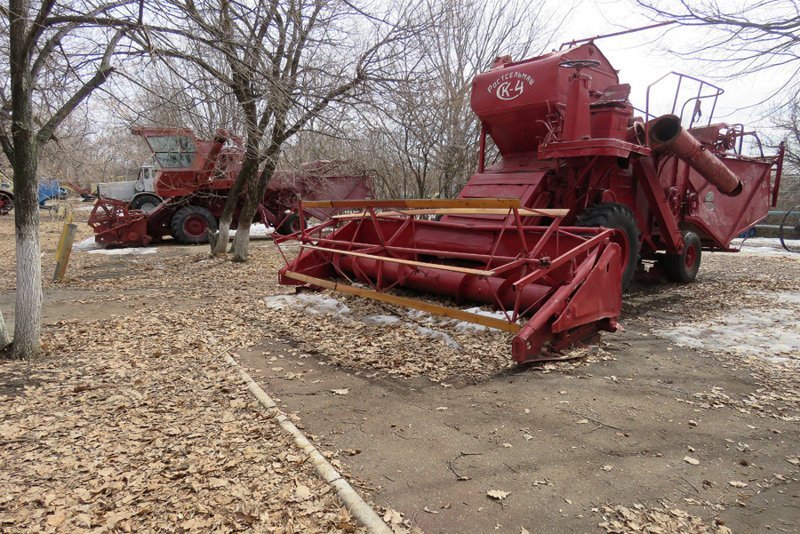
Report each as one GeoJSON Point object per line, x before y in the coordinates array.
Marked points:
{"type": "Point", "coordinates": [193, 182]}
{"type": "Point", "coordinates": [585, 191]}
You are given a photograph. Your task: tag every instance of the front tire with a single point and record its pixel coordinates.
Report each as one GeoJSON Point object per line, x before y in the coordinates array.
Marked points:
{"type": "Point", "coordinates": [190, 224]}
{"type": "Point", "coordinates": [290, 225]}
{"type": "Point", "coordinates": [683, 267]}
{"type": "Point", "coordinates": [145, 202]}
{"type": "Point", "coordinates": [618, 217]}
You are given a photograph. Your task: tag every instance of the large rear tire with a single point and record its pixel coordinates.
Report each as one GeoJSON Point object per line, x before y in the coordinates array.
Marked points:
{"type": "Point", "coordinates": [619, 217]}
{"type": "Point", "coordinates": [189, 225]}
{"type": "Point", "coordinates": [683, 267]}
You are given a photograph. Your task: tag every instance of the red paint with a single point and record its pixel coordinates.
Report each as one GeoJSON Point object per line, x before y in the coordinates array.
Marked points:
{"type": "Point", "coordinates": [569, 138]}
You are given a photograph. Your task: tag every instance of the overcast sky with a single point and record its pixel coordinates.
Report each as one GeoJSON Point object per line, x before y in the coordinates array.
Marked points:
{"type": "Point", "coordinates": [643, 57]}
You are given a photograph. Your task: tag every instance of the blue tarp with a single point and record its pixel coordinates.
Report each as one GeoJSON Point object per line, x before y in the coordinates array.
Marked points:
{"type": "Point", "coordinates": [48, 189]}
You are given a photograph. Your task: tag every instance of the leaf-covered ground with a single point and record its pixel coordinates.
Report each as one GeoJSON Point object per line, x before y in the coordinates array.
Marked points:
{"type": "Point", "coordinates": [132, 421]}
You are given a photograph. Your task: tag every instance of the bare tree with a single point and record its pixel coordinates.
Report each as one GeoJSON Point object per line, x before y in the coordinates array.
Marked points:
{"type": "Point", "coordinates": [181, 95]}
{"type": "Point", "coordinates": [423, 138]}
{"type": "Point", "coordinates": [740, 37]}
{"type": "Point", "coordinates": [789, 125]}
{"type": "Point", "coordinates": [54, 55]}
{"type": "Point", "coordinates": [285, 63]}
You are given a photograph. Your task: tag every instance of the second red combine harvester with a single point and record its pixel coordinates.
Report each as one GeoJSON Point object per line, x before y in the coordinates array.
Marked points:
{"type": "Point", "coordinates": [583, 191]}
{"type": "Point", "coordinates": [192, 183]}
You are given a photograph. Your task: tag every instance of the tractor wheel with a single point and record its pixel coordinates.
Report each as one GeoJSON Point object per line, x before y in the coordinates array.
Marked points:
{"type": "Point", "coordinates": [6, 203]}
{"type": "Point", "coordinates": [290, 225]}
{"type": "Point", "coordinates": [619, 217]}
{"type": "Point", "coordinates": [682, 268]}
{"type": "Point", "coordinates": [190, 223]}
{"type": "Point", "coordinates": [146, 202]}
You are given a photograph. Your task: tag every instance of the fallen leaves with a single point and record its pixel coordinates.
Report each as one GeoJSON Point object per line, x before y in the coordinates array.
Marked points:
{"type": "Point", "coordinates": [302, 492]}
{"type": "Point", "coordinates": [663, 519]}
{"type": "Point", "coordinates": [133, 423]}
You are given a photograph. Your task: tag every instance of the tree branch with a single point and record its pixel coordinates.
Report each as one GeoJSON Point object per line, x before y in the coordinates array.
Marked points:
{"type": "Point", "coordinates": [101, 76]}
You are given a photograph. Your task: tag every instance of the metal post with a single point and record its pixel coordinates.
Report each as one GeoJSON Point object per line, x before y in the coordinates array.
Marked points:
{"type": "Point", "coordinates": [64, 250]}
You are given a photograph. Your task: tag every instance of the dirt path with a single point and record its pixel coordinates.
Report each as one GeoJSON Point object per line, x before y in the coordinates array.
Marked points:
{"type": "Point", "coordinates": [428, 416]}
{"type": "Point", "coordinates": [132, 421]}
{"type": "Point", "coordinates": [565, 440]}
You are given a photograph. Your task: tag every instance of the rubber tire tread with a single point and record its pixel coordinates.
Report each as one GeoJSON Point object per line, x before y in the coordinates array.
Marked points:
{"type": "Point", "coordinates": [286, 227]}
{"type": "Point", "coordinates": [142, 198]}
{"type": "Point", "coordinates": [176, 224]}
{"type": "Point", "coordinates": [620, 217]}
{"type": "Point", "coordinates": [674, 265]}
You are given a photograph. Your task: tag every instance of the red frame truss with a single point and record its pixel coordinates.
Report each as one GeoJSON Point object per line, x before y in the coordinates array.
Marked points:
{"type": "Point", "coordinates": [555, 285]}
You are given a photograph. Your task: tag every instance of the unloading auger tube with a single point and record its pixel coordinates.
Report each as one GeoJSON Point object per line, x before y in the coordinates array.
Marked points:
{"type": "Point", "coordinates": [667, 133]}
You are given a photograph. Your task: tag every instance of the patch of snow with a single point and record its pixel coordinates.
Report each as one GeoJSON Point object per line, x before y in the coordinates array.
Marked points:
{"type": "Point", "coordinates": [435, 334]}
{"type": "Point", "coordinates": [381, 320]}
{"type": "Point", "coordinates": [467, 327]}
{"type": "Point", "coordinates": [132, 251]}
{"type": "Point", "coordinates": [772, 333]}
{"type": "Point", "coordinates": [87, 244]}
{"type": "Point", "coordinates": [767, 246]}
{"type": "Point", "coordinates": [259, 230]}
{"type": "Point", "coordinates": [318, 304]}
{"type": "Point", "coordinates": [420, 316]}
{"type": "Point", "coordinates": [315, 304]}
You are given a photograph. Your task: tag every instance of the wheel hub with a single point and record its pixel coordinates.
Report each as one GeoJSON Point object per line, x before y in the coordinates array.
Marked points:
{"type": "Point", "coordinates": [195, 226]}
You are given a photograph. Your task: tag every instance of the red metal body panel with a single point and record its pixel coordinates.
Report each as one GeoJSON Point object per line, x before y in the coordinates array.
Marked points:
{"type": "Point", "coordinates": [512, 99]}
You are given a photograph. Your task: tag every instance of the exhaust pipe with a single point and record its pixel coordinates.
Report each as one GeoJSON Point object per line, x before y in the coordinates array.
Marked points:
{"type": "Point", "coordinates": [666, 132]}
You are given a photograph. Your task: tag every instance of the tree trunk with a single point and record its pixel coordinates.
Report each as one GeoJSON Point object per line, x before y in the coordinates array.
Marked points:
{"type": "Point", "coordinates": [255, 194]}
{"type": "Point", "coordinates": [241, 240]}
{"type": "Point", "coordinates": [28, 310]}
{"type": "Point", "coordinates": [5, 338]}
{"type": "Point", "coordinates": [246, 176]}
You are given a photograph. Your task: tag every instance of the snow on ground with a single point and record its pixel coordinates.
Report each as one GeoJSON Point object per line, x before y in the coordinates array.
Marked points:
{"type": "Point", "coordinates": [313, 303]}
{"type": "Point", "coordinates": [465, 327]}
{"type": "Point", "coordinates": [766, 246]}
{"type": "Point", "coordinates": [771, 332]}
{"type": "Point", "coordinates": [319, 304]}
{"type": "Point", "coordinates": [258, 230]}
{"type": "Point", "coordinates": [87, 244]}
{"type": "Point", "coordinates": [132, 251]}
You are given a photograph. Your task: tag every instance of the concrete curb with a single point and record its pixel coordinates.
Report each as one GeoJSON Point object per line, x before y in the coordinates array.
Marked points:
{"type": "Point", "coordinates": [362, 511]}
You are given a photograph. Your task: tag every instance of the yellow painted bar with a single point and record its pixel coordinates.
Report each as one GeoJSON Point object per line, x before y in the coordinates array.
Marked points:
{"type": "Point", "coordinates": [64, 250]}
{"type": "Point", "coordinates": [435, 309]}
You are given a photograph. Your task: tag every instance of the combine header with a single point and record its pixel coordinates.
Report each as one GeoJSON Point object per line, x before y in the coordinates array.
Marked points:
{"type": "Point", "coordinates": [586, 192]}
